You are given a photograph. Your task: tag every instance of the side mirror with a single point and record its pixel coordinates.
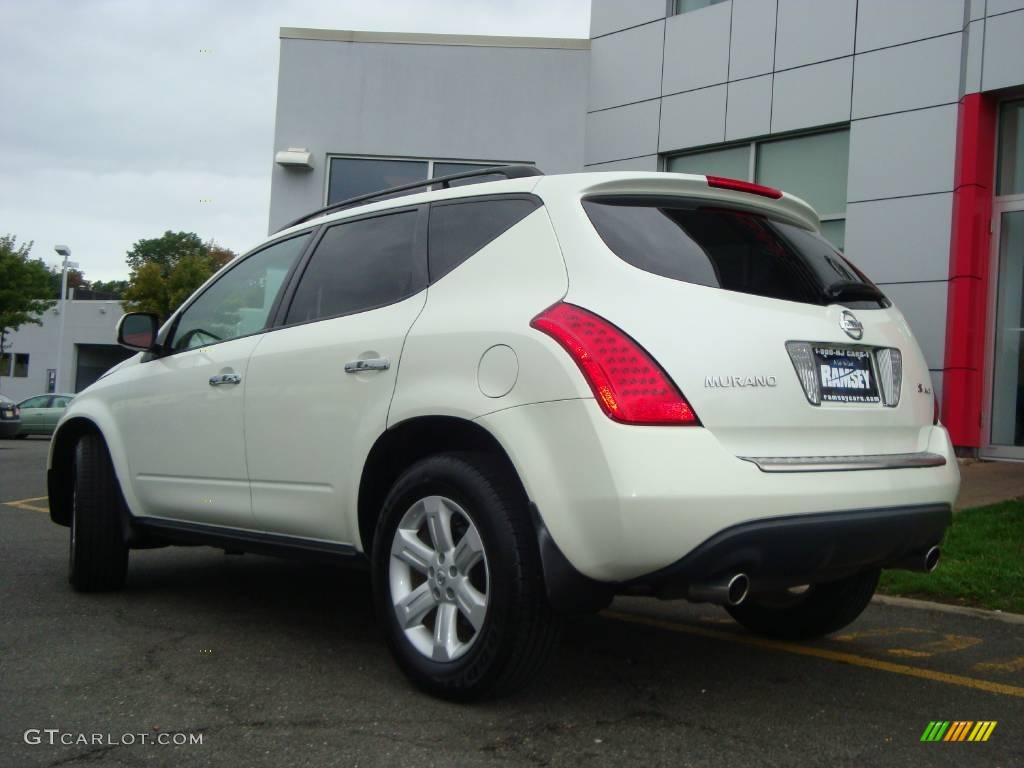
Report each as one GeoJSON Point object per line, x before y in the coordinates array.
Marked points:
{"type": "Point", "coordinates": [137, 330]}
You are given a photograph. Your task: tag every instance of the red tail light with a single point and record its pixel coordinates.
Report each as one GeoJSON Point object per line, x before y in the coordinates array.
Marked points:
{"type": "Point", "coordinates": [743, 186]}
{"type": "Point", "coordinates": [628, 384]}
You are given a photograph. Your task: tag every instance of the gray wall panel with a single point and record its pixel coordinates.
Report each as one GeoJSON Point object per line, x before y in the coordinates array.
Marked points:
{"type": "Point", "coordinates": [906, 154]}
{"type": "Point", "coordinates": [441, 101]}
{"type": "Point", "coordinates": [924, 306]}
{"type": "Point", "coordinates": [1002, 6]}
{"type": "Point", "coordinates": [975, 48]}
{"type": "Point", "coordinates": [901, 240]}
{"type": "Point", "coordinates": [697, 49]}
{"type": "Point", "coordinates": [813, 30]}
{"type": "Point", "coordinates": [645, 163]}
{"type": "Point", "coordinates": [752, 48]}
{"type": "Point", "coordinates": [1004, 51]}
{"type": "Point", "coordinates": [612, 15]}
{"type": "Point", "coordinates": [626, 66]}
{"type": "Point", "coordinates": [890, 22]}
{"type": "Point", "coordinates": [910, 76]}
{"type": "Point", "coordinates": [694, 118]}
{"type": "Point", "coordinates": [812, 96]}
{"type": "Point", "coordinates": [749, 108]}
{"type": "Point", "coordinates": [623, 132]}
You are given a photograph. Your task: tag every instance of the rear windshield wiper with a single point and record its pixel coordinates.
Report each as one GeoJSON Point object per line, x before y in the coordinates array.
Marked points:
{"type": "Point", "coordinates": [850, 290]}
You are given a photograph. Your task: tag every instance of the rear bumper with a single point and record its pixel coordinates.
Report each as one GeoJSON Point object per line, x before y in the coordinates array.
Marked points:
{"type": "Point", "coordinates": [803, 549]}
{"type": "Point", "coordinates": [624, 502]}
{"type": "Point", "coordinates": [9, 428]}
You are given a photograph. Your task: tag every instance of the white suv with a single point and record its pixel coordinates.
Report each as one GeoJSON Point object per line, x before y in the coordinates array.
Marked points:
{"type": "Point", "coordinates": [517, 398]}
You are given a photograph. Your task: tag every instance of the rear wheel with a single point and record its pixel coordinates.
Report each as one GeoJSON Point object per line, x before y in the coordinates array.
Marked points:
{"type": "Point", "coordinates": [457, 579]}
{"type": "Point", "coordinates": [817, 610]}
{"type": "Point", "coordinates": [98, 557]}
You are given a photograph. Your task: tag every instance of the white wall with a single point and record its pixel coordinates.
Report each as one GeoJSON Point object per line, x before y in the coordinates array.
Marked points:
{"type": "Point", "coordinates": [88, 322]}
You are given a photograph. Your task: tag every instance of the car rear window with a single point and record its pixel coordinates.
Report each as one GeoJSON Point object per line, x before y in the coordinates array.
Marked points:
{"type": "Point", "coordinates": [730, 249]}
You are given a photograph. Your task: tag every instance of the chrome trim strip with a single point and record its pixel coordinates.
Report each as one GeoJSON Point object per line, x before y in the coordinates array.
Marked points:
{"type": "Point", "coordinates": [846, 463]}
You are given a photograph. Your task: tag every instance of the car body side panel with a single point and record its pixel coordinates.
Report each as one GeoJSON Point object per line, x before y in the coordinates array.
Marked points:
{"type": "Point", "coordinates": [309, 424]}
{"type": "Point", "coordinates": [485, 302]}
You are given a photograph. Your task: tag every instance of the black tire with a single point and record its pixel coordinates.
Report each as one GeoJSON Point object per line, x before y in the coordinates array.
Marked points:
{"type": "Point", "coordinates": [98, 557]}
{"type": "Point", "coordinates": [519, 629]}
{"type": "Point", "coordinates": [819, 610]}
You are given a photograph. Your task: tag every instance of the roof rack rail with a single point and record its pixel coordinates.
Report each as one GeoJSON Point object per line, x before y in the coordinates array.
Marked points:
{"type": "Point", "coordinates": [508, 171]}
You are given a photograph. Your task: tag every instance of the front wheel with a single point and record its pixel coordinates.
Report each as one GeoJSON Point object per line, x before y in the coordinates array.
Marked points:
{"type": "Point", "coordinates": [818, 610]}
{"type": "Point", "coordinates": [98, 557]}
{"type": "Point", "coordinates": [457, 579]}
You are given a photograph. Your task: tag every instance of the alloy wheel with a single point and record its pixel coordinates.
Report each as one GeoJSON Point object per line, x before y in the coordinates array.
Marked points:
{"type": "Point", "coordinates": [439, 578]}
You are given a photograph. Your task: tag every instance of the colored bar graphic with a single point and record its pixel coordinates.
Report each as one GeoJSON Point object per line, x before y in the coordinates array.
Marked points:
{"type": "Point", "coordinates": [958, 730]}
{"type": "Point", "coordinates": [935, 730]}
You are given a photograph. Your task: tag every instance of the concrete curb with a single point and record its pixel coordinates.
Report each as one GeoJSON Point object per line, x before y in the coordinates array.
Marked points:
{"type": "Point", "coordinates": [961, 610]}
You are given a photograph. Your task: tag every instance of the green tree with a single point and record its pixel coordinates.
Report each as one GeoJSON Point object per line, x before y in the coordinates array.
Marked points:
{"type": "Point", "coordinates": [166, 250]}
{"type": "Point", "coordinates": [25, 288]}
{"type": "Point", "coordinates": [115, 287]}
{"type": "Point", "coordinates": [76, 279]}
{"type": "Point", "coordinates": [167, 270]}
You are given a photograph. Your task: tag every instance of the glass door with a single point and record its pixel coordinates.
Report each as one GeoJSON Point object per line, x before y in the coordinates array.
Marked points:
{"type": "Point", "coordinates": [1006, 415]}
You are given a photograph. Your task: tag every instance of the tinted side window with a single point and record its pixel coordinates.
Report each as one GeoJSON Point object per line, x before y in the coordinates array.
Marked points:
{"type": "Point", "coordinates": [239, 303]}
{"type": "Point", "coordinates": [458, 230]}
{"type": "Point", "coordinates": [358, 266]}
{"type": "Point", "coordinates": [724, 248]}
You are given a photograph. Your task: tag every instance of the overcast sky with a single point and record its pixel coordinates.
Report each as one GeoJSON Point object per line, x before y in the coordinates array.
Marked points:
{"type": "Point", "coordinates": [113, 124]}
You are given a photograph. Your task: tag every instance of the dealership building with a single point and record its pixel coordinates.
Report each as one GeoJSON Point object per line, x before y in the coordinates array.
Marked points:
{"type": "Point", "coordinates": [900, 121]}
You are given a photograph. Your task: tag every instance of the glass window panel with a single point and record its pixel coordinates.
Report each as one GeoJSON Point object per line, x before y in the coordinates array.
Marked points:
{"type": "Point", "coordinates": [350, 177]}
{"type": "Point", "coordinates": [358, 266]}
{"type": "Point", "coordinates": [459, 230]}
{"type": "Point", "coordinates": [835, 232]}
{"type": "Point", "coordinates": [811, 167]}
{"type": "Point", "coordinates": [731, 162]}
{"type": "Point", "coordinates": [729, 249]}
{"type": "Point", "coordinates": [1010, 169]}
{"type": "Point", "coordinates": [1008, 374]}
{"type": "Point", "coordinates": [239, 302]}
{"type": "Point", "coordinates": [6, 358]}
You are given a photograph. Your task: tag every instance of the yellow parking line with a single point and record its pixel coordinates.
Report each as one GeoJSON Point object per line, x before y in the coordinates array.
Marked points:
{"type": "Point", "coordinates": [26, 504]}
{"type": "Point", "coordinates": [823, 653]}
{"type": "Point", "coordinates": [1013, 665]}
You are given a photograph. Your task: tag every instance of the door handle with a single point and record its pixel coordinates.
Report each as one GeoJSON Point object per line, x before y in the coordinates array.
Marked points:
{"type": "Point", "coordinates": [370, 364]}
{"type": "Point", "coordinates": [225, 378]}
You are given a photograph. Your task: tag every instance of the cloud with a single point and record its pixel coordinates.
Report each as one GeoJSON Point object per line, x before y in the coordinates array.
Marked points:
{"type": "Point", "coordinates": [116, 124]}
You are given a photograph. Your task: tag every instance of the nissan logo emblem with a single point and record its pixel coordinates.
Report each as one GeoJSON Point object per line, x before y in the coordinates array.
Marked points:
{"type": "Point", "coordinates": [849, 323]}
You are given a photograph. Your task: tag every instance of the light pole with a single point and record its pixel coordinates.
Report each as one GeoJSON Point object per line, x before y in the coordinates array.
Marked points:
{"type": "Point", "coordinates": [62, 250]}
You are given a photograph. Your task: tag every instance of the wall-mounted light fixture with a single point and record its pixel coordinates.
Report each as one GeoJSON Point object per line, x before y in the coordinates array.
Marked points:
{"type": "Point", "coordinates": [294, 157]}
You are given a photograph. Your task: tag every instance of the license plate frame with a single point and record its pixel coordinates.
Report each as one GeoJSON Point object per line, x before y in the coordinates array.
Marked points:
{"type": "Point", "coordinates": [846, 375]}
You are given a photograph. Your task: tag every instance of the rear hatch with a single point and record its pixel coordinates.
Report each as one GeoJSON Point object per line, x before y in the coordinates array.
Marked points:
{"type": "Point", "coordinates": [780, 344]}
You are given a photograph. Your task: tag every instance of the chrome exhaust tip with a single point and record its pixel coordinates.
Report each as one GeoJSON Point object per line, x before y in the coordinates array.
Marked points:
{"type": "Point", "coordinates": [730, 590]}
{"type": "Point", "coordinates": [922, 562]}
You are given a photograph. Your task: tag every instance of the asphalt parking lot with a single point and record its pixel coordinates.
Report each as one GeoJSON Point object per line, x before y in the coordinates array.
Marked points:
{"type": "Point", "coordinates": [277, 663]}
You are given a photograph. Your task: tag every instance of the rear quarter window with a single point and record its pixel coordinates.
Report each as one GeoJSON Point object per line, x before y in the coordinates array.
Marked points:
{"type": "Point", "coordinates": [458, 230]}
{"type": "Point", "coordinates": [730, 249]}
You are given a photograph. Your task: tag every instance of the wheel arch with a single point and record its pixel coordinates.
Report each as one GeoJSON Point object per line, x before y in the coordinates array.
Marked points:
{"type": "Point", "coordinates": [62, 454]}
{"type": "Point", "coordinates": [406, 443]}
{"type": "Point", "coordinates": [409, 441]}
